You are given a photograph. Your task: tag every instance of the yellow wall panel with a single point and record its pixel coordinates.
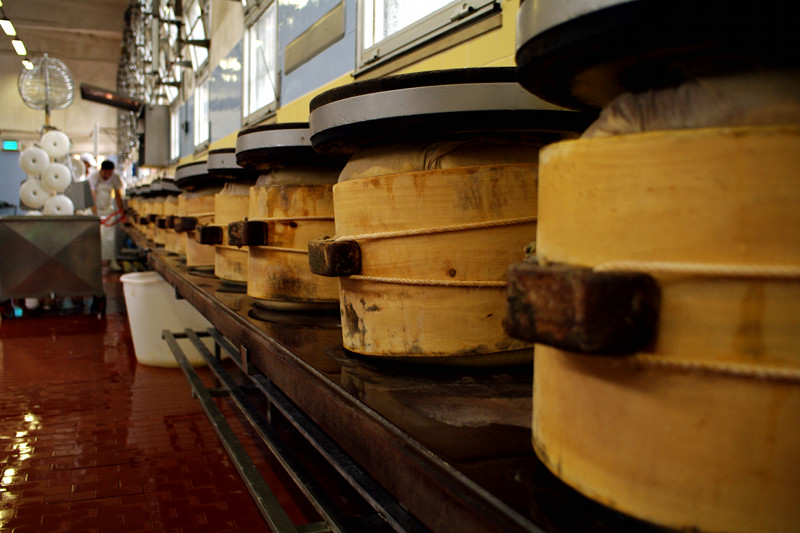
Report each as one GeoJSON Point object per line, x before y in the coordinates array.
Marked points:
{"type": "Point", "coordinates": [297, 110]}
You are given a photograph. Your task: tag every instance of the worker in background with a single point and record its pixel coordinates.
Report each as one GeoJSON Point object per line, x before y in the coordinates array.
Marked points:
{"type": "Point", "coordinates": [89, 163]}
{"type": "Point", "coordinates": [107, 190]}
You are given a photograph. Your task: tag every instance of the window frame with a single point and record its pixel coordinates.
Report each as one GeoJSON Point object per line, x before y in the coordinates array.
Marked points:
{"type": "Point", "coordinates": [457, 14]}
{"type": "Point", "coordinates": [175, 133]}
{"type": "Point", "coordinates": [254, 14]}
{"type": "Point", "coordinates": [167, 49]}
{"type": "Point", "coordinates": [201, 104]}
{"type": "Point", "coordinates": [190, 27]}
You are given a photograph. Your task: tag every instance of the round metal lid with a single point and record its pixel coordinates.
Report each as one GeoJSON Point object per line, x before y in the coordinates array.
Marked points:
{"type": "Point", "coordinates": [162, 187]}
{"type": "Point", "coordinates": [261, 147]}
{"type": "Point", "coordinates": [461, 102]}
{"type": "Point", "coordinates": [582, 53]}
{"type": "Point", "coordinates": [195, 176]}
{"type": "Point", "coordinates": [222, 163]}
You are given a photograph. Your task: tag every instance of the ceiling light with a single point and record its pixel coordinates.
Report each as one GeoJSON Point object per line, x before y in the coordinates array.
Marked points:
{"type": "Point", "coordinates": [27, 64]}
{"type": "Point", "coordinates": [8, 27]}
{"type": "Point", "coordinates": [19, 47]}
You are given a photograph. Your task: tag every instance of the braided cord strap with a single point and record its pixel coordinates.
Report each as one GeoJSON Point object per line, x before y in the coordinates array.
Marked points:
{"type": "Point", "coordinates": [703, 269]}
{"type": "Point", "coordinates": [431, 282]}
{"type": "Point", "coordinates": [743, 370]}
{"type": "Point", "coordinates": [437, 229]}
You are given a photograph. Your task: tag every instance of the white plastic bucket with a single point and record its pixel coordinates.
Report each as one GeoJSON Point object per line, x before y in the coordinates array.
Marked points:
{"type": "Point", "coordinates": [152, 308]}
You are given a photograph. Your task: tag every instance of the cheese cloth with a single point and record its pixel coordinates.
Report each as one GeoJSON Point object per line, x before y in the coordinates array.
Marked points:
{"type": "Point", "coordinates": [413, 157]}
{"type": "Point", "coordinates": [757, 98]}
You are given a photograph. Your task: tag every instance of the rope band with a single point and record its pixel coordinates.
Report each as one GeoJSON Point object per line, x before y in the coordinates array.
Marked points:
{"type": "Point", "coordinates": [281, 249]}
{"type": "Point", "coordinates": [703, 269]}
{"type": "Point", "coordinates": [439, 229]}
{"type": "Point", "coordinates": [431, 282]}
{"type": "Point", "coordinates": [728, 369]}
{"type": "Point", "coordinates": [288, 219]}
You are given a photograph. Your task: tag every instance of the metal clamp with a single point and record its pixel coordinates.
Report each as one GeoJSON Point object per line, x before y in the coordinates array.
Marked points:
{"type": "Point", "coordinates": [581, 310]}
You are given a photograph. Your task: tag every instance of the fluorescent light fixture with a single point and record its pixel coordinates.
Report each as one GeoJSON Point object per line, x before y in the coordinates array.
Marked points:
{"type": "Point", "coordinates": [27, 64]}
{"type": "Point", "coordinates": [19, 47]}
{"type": "Point", "coordinates": [8, 27]}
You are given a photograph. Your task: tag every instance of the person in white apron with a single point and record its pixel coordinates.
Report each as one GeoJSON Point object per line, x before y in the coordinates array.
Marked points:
{"type": "Point", "coordinates": [107, 194]}
{"type": "Point", "coordinates": [89, 163]}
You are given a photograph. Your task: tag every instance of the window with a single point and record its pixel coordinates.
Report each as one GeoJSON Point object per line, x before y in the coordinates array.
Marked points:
{"type": "Point", "coordinates": [261, 65]}
{"type": "Point", "coordinates": [195, 16]}
{"type": "Point", "coordinates": [202, 124]}
{"type": "Point", "coordinates": [168, 65]}
{"type": "Point", "coordinates": [387, 28]}
{"type": "Point", "coordinates": [175, 133]}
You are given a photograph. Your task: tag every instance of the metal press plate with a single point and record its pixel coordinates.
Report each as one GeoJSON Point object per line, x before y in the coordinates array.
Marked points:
{"type": "Point", "coordinates": [222, 163]}
{"type": "Point", "coordinates": [163, 187]}
{"type": "Point", "coordinates": [191, 170]}
{"type": "Point", "coordinates": [195, 176]}
{"type": "Point", "coordinates": [581, 54]}
{"type": "Point", "coordinates": [442, 103]}
{"type": "Point", "coordinates": [263, 147]}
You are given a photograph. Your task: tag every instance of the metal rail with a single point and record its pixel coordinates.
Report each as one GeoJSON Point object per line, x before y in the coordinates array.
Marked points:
{"type": "Point", "coordinates": [265, 499]}
{"type": "Point", "coordinates": [389, 513]}
{"type": "Point", "coordinates": [368, 488]}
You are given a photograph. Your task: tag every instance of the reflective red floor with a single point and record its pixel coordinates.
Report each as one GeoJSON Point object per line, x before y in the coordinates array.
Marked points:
{"type": "Point", "coordinates": [92, 441]}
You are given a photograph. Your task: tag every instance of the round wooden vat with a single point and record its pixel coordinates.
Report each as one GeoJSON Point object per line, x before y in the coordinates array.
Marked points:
{"type": "Point", "coordinates": [199, 205]}
{"type": "Point", "coordinates": [157, 210]}
{"type": "Point", "coordinates": [170, 235]}
{"type": "Point", "coordinates": [134, 207]}
{"type": "Point", "coordinates": [230, 205]}
{"type": "Point", "coordinates": [140, 214]}
{"type": "Point", "coordinates": [296, 204]}
{"type": "Point", "coordinates": [435, 246]}
{"type": "Point", "coordinates": [696, 431]}
{"type": "Point", "coordinates": [439, 196]}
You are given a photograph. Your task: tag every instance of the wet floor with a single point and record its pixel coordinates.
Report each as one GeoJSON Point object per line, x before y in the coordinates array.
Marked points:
{"type": "Point", "coordinates": [92, 441]}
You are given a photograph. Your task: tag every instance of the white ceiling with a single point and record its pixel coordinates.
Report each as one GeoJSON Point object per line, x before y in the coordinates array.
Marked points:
{"type": "Point", "coordinates": [84, 34]}
{"type": "Point", "coordinates": [68, 29]}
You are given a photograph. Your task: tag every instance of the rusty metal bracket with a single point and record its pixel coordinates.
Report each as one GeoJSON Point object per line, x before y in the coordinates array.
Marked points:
{"type": "Point", "coordinates": [331, 258]}
{"type": "Point", "coordinates": [247, 233]}
{"type": "Point", "coordinates": [208, 234]}
{"type": "Point", "coordinates": [581, 310]}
